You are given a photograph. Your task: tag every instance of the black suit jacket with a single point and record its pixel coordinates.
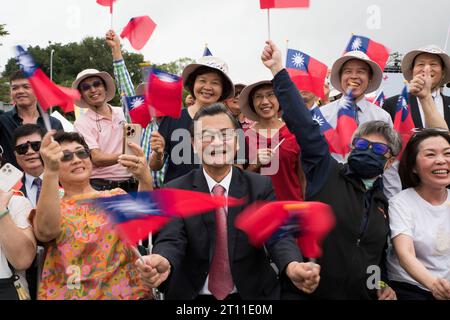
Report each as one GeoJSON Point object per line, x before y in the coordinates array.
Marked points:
{"type": "Point", "coordinates": [391, 103]}
{"type": "Point", "coordinates": [188, 244]}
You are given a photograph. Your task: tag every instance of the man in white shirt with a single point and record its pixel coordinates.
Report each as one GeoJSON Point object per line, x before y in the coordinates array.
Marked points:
{"type": "Point", "coordinates": [355, 70]}
{"type": "Point", "coordinates": [27, 142]}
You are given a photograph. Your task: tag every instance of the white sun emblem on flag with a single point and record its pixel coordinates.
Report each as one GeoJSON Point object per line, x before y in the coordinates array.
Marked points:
{"type": "Point", "coordinates": [318, 119]}
{"type": "Point", "coordinates": [356, 45]}
{"type": "Point", "coordinates": [298, 60]}
{"type": "Point", "coordinates": [136, 102]}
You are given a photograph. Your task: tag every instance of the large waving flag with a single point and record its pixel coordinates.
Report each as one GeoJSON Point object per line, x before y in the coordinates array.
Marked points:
{"type": "Point", "coordinates": [346, 124]}
{"type": "Point", "coordinates": [326, 129]}
{"type": "Point", "coordinates": [164, 93]}
{"type": "Point", "coordinates": [308, 222]}
{"type": "Point", "coordinates": [374, 50]}
{"type": "Point", "coordinates": [269, 4]}
{"type": "Point", "coordinates": [48, 94]}
{"type": "Point", "coordinates": [138, 31]}
{"type": "Point", "coordinates": [107, 3]}
{"type": "Point", "coordinates": [403, 121]}
{"type": "Point", "coordinates": [306, 72]}
{"type": "Point", "coordinates": [136, 215]}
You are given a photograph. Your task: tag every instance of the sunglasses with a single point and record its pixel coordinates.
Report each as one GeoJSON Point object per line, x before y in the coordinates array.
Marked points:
{"type": "Point", "coordinates": [81, 154]}
{"type": "Point", "coordinates": [87, 86]}
{"type": "Point", "coordinates": [23, 148]}
{"type": "Point", "coordinates": [376, 147]}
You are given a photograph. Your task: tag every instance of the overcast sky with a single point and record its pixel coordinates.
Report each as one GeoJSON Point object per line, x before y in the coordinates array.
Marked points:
{"type": "Point", "coordinates": [235, 30]}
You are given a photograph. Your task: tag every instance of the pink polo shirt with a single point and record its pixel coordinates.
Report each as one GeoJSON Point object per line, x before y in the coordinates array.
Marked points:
{"type": "Point", "coordinates": [107, 136]}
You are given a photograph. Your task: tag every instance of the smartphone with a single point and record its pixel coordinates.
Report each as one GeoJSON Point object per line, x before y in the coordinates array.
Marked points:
{"type": "Point", "coordinates": [9, 177]}
{"type": "Point", "coordinates": [132, 132]}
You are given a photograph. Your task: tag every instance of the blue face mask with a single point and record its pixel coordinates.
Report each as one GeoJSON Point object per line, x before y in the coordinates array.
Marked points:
{"type": "Point", "coordinates": [366, 164]}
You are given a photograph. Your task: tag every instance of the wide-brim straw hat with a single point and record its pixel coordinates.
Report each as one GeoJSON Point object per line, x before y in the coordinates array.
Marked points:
{"type": "Point", "coordinates": [110, 89]}
{"type": "Point", "coordinates": [377, 73]}
{"type": "Point", "coordinates": [244, 99]}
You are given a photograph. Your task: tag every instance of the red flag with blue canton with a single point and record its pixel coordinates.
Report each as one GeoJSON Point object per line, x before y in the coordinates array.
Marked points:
{"type": "Point", "coordinates": [138, 31]}
{"type": "Point", "coordinates": [136, 215]}
{"type": "Point", "coordinates": [107, 3]}
{"type": "Point", "coordinates": [164, 93]}
{"type": "Point", "coordinates": [306, 72]}
{"type": "Point", "coordinates": [308, 222]}
{"type": "Point", "coordinates": [403, 121]}
{"type": "Point", "coordinates": [374, 50]}
{"type": "Point", "coordinates": [326, 129]}
{"type": "Point", "coordinates": [137, 109]}
{"type": "Point", "coordinates": [346, 124]}
{"type": "Point", "coordinates": [269, 4]}
{"type": "Point", "coordinates": [379, 100]}
{"type": "Point", "coordinates": [48, 94]}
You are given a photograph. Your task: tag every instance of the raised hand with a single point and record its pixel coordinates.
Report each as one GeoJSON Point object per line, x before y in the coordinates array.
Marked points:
{"type": "Point", "coordinates": [51, 152]}
{"type": "Point", "coordinates": [272, 58]}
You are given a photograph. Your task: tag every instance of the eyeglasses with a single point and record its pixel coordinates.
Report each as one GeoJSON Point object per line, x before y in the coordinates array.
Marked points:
{"type": "Point", "coordinates": [259, 97]}
{"type": "Point", "coordinates": [223, 135]}
{"type": "Point", "coordinates": [81, 154]}
{"type": "Point", "coordinates": [86, 86]}
{"type": "Point", "coordinates": [376, 147]}
{"type": "Point", "coordinates": [23, 148]}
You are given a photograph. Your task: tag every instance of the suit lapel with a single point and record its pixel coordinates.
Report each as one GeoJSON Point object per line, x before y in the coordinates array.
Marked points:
{"type": "Point", "coordinates": [446, 103]}
{"type": "Point", "coordinates": [415, 112]}
{"type": "Point", "coordinates": [238, 187]}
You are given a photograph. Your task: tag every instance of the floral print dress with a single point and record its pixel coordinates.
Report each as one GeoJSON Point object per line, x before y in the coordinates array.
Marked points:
{"type": "Point", "coordinates": [88, 260]}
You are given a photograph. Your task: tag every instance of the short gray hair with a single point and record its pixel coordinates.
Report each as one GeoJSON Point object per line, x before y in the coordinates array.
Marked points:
{"type": "Point", "coordinates": [393, 138]}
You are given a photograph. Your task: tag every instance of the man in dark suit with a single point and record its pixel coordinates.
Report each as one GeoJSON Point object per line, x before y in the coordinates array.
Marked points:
{"type": "Point", "coordinates": [417, 65]}
{"type": "Point", "coordinates": [205, 257]}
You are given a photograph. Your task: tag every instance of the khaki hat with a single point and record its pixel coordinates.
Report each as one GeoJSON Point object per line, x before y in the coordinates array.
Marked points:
{"type": "Point", "coordinates": [216, 64]}
{"type": "Point", "coordinates": [244, 99]}
{"type": "Point", "coordinates": [377, 76]}
{"type": "Point", "coordinates": [105, 76]}
{"type": "Point", "coordinates": [408, 61]}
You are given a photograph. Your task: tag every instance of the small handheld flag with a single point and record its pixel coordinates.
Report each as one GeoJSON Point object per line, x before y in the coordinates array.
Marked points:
{"type": "Point", "coordinates": [374, 50]}
{"type": "Point", "coordinates": [403, 121]}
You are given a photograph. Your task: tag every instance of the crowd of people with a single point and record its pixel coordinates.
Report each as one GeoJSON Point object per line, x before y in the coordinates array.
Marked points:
{"type": "Point", "coordinates": [257, 142]}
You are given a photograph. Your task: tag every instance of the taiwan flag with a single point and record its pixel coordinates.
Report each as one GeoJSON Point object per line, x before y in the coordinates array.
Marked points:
{"type": "Point", "coordinates": [269, 4]}
{"type": "Point", "coordinates": [374, 50]}
{"type": "Point", "coordinates": [308, 222]}
{"type": "Point", "coordinates": [207, 52]}
{"type": "Point", "coordinates": [326, 129]}
{"type": "Point", "coordinates": [306, 72]}
{"type": "Point", "coordinates": [47, 93]}
{"type": "Point", "coordinates": [164, 93]}
{"type": "Point", "coordinates": [403, 121]}
{"type": "Point", "coordinates": [346, 124]}
{"type": "Point", "coordinates": [379, 100]}
{"type": "Point", "coordinates": [136, 215]}
{"type": "Point", "coordinates": [138, 31]}
{"type": "Point", "coordinates": [137, 109]}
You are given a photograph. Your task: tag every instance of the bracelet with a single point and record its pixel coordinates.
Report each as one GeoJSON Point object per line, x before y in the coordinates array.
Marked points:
{"type": "Point", "coordinates": [3, 213]}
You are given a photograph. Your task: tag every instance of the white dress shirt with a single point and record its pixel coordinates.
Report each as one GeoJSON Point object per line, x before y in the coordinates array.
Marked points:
{"type": "Point", "coordinates": [31, 188]}
{"type": "Point", "coordinates": [225, 183]}
{"type": "Point", "coordinates": [438, 101]}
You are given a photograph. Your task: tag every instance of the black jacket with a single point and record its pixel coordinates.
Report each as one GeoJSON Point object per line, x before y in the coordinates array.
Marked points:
{"type": "Point", "coordinates": [353, 245]}
{"type": "Point", "coordinates": [188, 243]}
{"type": "Point", "coordinates": [391, 103]}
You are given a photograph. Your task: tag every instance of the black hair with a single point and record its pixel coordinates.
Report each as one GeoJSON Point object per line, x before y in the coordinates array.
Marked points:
{"type": "Point", "coordinates": [409, 178]}
{"type": "Point", "coordinates": [190, 81]}
{"type": "Point", "coordinates": [252, 93]}
{"type": "Point", "coordinates": [26, 130]}
{"type": "Point", "coordinates": [16, 75]}
{"type": "Point", "coordinates": [62, 136]}
{"type": "Point", "coordinates": [212, 110]}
